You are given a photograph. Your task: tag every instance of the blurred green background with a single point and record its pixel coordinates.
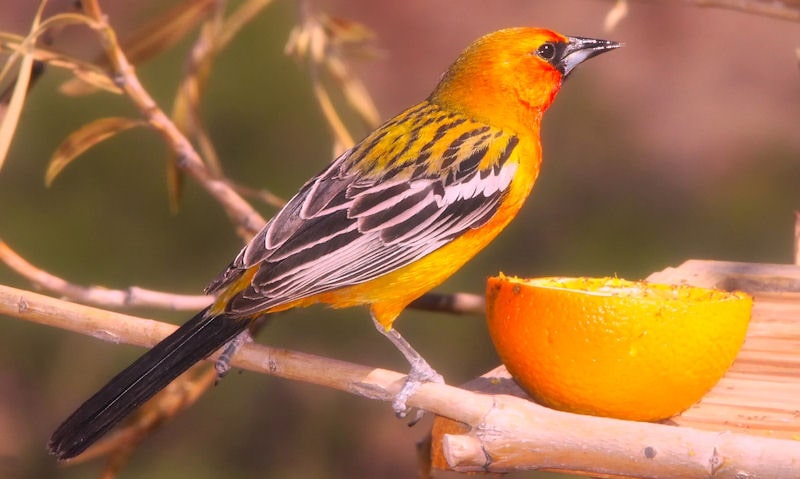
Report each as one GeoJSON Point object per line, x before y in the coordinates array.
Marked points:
{"type": "Point", "coordinates": [684, 144]}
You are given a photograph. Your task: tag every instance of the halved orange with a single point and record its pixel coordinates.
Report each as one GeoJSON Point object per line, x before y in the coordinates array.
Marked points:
{"type": "Point", "coordinates": [616, 348]}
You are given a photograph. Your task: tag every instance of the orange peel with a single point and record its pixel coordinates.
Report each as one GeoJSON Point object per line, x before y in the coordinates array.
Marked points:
{"type": "Point", "coordinates": [616, 348]}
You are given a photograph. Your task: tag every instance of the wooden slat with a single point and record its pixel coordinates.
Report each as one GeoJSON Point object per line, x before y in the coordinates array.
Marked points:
{"type": "Point", "coordinates": [760, 394]}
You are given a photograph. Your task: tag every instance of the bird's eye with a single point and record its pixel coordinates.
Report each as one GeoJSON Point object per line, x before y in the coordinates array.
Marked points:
{"type": "Point", "coordinates": [546, 52]}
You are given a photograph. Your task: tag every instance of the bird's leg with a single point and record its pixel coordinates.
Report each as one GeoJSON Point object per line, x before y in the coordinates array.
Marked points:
{"type": "Point", "coordinates": [421, 372]}
{"type": "Point", "coordinates": [223, 364]}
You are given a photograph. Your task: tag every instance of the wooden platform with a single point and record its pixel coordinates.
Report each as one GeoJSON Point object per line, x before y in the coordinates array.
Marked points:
{"type": "Point", "coordinates": [760, 394]}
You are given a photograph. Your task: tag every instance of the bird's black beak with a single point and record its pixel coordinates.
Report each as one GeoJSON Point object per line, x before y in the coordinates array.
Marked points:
{"type": "Point", "coordinates": [578, 50]}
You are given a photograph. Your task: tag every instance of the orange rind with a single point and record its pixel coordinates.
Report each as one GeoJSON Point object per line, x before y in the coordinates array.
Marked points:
{"type": "Point", "coordinates": [612, 347]}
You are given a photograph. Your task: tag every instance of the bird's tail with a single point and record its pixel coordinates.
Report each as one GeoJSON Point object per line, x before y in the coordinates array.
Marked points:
{"type": "Point", "coordinates": [152, 372]}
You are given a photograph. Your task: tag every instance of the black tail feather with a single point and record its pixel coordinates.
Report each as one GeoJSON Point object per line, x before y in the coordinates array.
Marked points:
{"type": "Point", "coordinates": [152, 372]}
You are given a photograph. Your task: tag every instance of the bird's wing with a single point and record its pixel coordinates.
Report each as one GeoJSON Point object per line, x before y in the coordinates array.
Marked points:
{"type": "Point", "coordinates": [376, 209]}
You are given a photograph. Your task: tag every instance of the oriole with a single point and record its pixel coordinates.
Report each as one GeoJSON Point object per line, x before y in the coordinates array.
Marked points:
{"type": "Point", "coordinates": [388, 220]}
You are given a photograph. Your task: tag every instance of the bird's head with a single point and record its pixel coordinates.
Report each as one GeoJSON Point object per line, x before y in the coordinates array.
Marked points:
{"type": "Point", "coordinates": [508, 78]}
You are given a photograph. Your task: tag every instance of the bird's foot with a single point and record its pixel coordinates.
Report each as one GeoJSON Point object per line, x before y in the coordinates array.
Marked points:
{"type": "Point", "coordinates": [223, 364]}
{"type": "Point", "coordinates": [421, 373]}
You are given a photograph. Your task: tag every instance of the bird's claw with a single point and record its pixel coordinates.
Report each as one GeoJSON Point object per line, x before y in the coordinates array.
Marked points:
{"type": "Point", "coordinates": [421, 373]}
{"type": "Point", "coordinates": [223, 364]}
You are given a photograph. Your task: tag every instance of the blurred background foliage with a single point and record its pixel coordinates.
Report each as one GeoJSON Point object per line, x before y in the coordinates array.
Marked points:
{"type": "Point", "coordinates": [684, 144]}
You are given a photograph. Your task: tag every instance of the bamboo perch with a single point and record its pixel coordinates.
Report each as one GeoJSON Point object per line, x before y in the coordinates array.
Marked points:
{"type": "Point", "coordinates": [516, 434]}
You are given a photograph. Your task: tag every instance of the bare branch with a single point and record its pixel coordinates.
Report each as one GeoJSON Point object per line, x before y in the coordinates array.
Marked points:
{"type": "Point", "coordinates": [186, 105]}
{"type": "Point", "coordinates": [261, 194]}
{"type": "Point", "coordinates": [518, 435]}
{"type": "Point", "coordinates": [147, 41]}
{"type": "Point", "coordinates": [248, 220]}
{"type": "Point", "coordinates": [243, 14]}
{"type": "Point", "coordinates": [797, 238]}
{"type": "Point", "coordinates": [135, 296]}
{"type": "Point", "coordinates": [456, 303]}
{"type": "Point", "coordinates": [97, 295]}
{"type": "Point", "coordinates": [506, 432]}
{"type": "Point", "coordinates": [88, 74]}
{"type": "Point", "coordinates": [780, 9]}
{"type": "Point", "coordinates": [215, 34]}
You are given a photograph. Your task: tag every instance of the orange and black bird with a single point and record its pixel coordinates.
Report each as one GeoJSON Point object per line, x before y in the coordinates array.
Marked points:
{"type": "Point", "coordinates": [388, 220]}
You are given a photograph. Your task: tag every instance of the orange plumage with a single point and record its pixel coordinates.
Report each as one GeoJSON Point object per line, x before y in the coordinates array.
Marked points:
{"type": "Point", "coordinates": [387, 221]}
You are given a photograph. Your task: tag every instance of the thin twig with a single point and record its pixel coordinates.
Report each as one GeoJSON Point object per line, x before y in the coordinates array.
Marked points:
{"type": "Point", "coordinates": [187, 99]}
{"type": "Point", "coordinates": [85, 72]}
{"type": "Point", "coordinates": [132, 296]}
{"type": "Point", "coordinates": [797, 237]}
{"type": "Point", "coordinates": [135, 296]}
{"type": "Point", "coordinates": [247, 220]}
{"type": "Point", "coordinates": [216, 33]}
{"type": "Point", "coordinates": [148, 40]}
{"type": "Point", "coordinates": [779, 9]}
{"type": "Point", "coordinates": [242, 15]}
{"type": "Point", "coordinates": [456, 303]}
{"type": "Point", "coordinates": [265, 196]}
{"type": "Point", "coordinates": [782, 9]}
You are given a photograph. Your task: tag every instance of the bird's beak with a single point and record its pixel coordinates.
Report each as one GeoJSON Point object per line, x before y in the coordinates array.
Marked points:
{"type": "Point", "coordinates": [580, 49]}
